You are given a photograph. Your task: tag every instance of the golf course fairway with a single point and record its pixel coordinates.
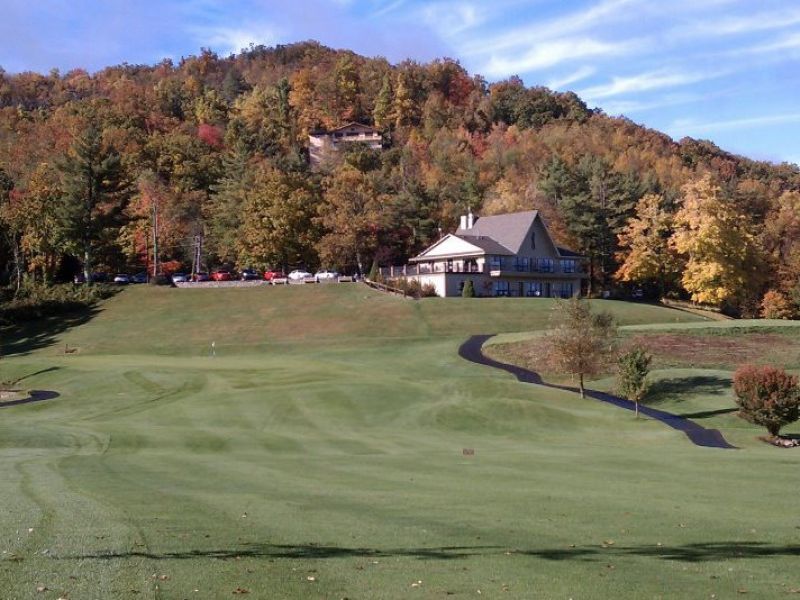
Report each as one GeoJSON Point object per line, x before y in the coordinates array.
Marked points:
{"type": "Point", "coordinates": [336, 446]}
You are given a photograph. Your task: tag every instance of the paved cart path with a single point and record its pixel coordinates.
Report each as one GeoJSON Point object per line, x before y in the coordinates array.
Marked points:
{"type": "Point", "coordinates": [471, 350]}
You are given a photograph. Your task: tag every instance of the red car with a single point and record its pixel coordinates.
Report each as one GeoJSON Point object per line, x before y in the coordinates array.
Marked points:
{"type": "Point", "coordinates": [222, 275]}
{"type": "Point", "coordinates": [270, 275]}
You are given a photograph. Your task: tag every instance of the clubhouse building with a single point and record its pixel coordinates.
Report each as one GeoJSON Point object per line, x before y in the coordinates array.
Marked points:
{"type": "Point", "coordinates": [504, 255]}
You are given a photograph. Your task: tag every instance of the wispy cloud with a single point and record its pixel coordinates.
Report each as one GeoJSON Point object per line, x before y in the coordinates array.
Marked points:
{"type": "Point", "coordinates": [230, 40]}
{"type": "Point", "coordinates": [388, 8]}
{"type": "Point", "coordinates": [552, 53]}
{"type": "Point", "coordinates": [453, 18]}
{"type": "Point", "coordinates": [579, 75]}
{"type": "Point", "coordinates": [554, 29]}
{"type": "Point", "coordinates": [761, 121]}
{"type": "Point", "coordinates": [718, 25]}
{"type": "Point", "coordinates": [645, 82]}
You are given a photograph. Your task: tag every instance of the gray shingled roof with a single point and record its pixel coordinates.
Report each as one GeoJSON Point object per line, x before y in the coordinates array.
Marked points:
{"type": "Point", "coordinates": [486, 244]}
{"type": "Point", "coordinates": [509, 230]}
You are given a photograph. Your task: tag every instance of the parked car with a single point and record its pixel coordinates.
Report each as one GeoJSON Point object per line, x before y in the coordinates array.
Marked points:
{"type": "Point", "coordinates": [139, 278]}
{"type": "Point", "coordinates": [326, 275]}
{"type": "Point", "coordinates": [201, 277]}
{"type": "Point", "coordinates": [249, 275]}
{"type": "Point", "coordinates": [270, 275]}
{"type": "Point", "coordinates": [180, 278]}
{"type": "Point", "coordinates": [222, 275]}
{"type": "Point", "coordinates": [95, 278]}
{"type": "Point", "coordinates": [122, 279]}
{"type": "Point", "coordinates": [299, 275]}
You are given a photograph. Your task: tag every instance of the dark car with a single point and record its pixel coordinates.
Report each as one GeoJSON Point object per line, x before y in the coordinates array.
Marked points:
{"type": "Point", "coordinates": [249, 275]}
{"type": "Point", "coordinates": [270, 275]}
{"type": "Point", "coordinates": [222, 275]}
{"type": "Point", "coordinates": [179, 278]}
{"type": "Point", "coordinates": [139, 278]}
{"type": "Point", "coordinates": [201, 277]}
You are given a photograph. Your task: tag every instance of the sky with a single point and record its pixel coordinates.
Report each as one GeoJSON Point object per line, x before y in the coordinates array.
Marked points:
{"type": "Point", "coordinates": [723, 70]}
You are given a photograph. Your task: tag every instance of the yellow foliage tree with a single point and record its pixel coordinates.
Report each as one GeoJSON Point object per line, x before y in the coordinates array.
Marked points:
{"type": "Point", "coordinates": [724, 262]}
{"type": "Point", "coordinates": [646, 253]}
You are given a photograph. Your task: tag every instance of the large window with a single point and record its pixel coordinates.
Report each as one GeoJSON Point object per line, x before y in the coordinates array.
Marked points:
{"type": "Point", "coordinates": [544, 265]}
{"type": "Point", "coordinates": [568, 265]}
{"type": "Point", "coordinates": [521, 263]}
{"type": "Point", "coordinates": [564, 290]}
{"type": "Point", "coordinates": [501, 288]}
{"type": "Point", "coordinates": [496, 262]}
{"type": "Point", "coordinates": [533, 289]}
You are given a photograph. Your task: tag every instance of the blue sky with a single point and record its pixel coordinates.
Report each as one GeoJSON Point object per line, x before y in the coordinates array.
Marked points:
{"type": "Point", "coordinates": [723, 70]}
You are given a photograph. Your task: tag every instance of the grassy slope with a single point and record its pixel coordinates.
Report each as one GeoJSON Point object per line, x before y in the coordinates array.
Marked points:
{"type": "Point", "coordinates": [325, 441]}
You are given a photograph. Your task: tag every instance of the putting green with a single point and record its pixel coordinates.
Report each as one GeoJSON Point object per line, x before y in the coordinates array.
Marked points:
{"type": "Point", "coordinates": [320, 453]}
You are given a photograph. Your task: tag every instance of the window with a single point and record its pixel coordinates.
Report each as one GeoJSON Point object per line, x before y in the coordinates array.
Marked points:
{"type": "Point", "coordinates": [565, 290]}
{"type": "Point", "coordinates": [521, 263]}
{"type": "Point", "coordinates": [568, 265]}
{"type": "Point", "coordinates": [533, 289]}
{"type": "Point", "coordinates": [545, 265]}
{"type": "Point", "coordinates": [496, 262]}
{"type": "Point", "coordinates": [533, 240]}
{"type": "Point", "coordinates": [501, 288]}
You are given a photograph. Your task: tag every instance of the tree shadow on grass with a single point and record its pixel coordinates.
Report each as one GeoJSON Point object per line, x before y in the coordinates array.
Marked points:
{"type": "Point", "coordinates": [692, 553]}
{"type": "Point", "coordinates": [707, 414]}
{"type": "Point", "coordinates": [674, 388]}
{"type": "Point", "coordinates": [304, 551]}
{"type": "Point", "coordinates": [28, 336]}
{"type": "Point", "coordinates": [689, 553]}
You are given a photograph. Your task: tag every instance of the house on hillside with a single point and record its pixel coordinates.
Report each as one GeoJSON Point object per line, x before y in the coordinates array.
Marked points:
{"type": "Point", "coordinates": [323, 143]}
{"type": "Point", "coordinates": [504, 255]}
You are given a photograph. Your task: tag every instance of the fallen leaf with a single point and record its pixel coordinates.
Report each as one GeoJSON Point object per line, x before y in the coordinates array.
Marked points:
{"type": "Point", "coordinates": [311, 578]}
{"type": "Point", "coordinates": [241, 590]}
{"type": "Point", "coordinates": [41, 588]}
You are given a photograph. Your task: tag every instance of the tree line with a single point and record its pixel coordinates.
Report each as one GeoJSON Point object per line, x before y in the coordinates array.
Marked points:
{"type": "Point", "coordinates": [98, 169]}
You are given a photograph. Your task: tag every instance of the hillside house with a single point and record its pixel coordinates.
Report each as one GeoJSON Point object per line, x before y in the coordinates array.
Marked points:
{"type": "Point", "coordinates": [323, 143]}
{"type": "Point", "coordinates": [504, 255]}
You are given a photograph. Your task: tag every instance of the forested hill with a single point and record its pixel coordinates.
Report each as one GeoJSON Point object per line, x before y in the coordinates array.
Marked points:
{"type": "Point", "coordinates": [218, 147]}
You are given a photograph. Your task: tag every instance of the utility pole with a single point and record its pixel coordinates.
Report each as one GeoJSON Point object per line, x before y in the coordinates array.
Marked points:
{"type": "Point", "coordinates": [197, 258]}
{"type": "Point", "coordinates": [155, 237]}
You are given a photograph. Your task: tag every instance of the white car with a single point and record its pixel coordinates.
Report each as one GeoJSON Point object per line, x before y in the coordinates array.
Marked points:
{"type": "Point", "coordinates": [326, 275]}
{"type": "Point", "coordinates": [299, 275]}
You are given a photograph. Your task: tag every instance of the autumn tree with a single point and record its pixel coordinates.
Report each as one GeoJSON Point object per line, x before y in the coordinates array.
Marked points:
{"type": "Point", "coordinates": [352, 216]}
{"type": "Point", "coordinates": [723, 260]}
{"type": "Point", "coordinates": [579, 341]}
{"type": "Point", "coordinates": [40, 221]}
{"type": "Point", "coordinates": [645, 250]}
{"type": "Point", "coordinates": [279, 229]}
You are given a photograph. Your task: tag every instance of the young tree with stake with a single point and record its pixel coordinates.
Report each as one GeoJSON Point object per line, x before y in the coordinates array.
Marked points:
{"type": "Point", "coordinates": [579, 341]}
{"type": "Point", "coordinates": [633, 367]}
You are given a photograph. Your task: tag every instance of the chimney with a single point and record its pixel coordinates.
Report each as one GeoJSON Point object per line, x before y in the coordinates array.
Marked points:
{"type": "Point", "coordinates": [463, 222]}
{"type": "Point", "coordinates": [470, 220]}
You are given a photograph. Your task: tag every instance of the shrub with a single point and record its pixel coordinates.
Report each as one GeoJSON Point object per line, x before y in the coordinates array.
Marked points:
{"type": "Point", "coordinates": [36, 300]}
{"type": "Point", "coordinates": [766, 396]}
{"type": "Point", "coordinates": [776, 305]}
{"type": "Point", "coordinates": [633, 367]}
{"type": "Point", "coordinates": [469, 289]}
{"type": "Point", "coordinates": [413, 288]}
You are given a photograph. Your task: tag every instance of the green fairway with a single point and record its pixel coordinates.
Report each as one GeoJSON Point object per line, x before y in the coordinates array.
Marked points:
{"type": "Point", "coordinates": [319, 454]}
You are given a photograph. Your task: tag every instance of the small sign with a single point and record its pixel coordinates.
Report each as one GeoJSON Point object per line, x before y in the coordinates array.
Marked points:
{"type": "Point", "coordinates": [468, 451]}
